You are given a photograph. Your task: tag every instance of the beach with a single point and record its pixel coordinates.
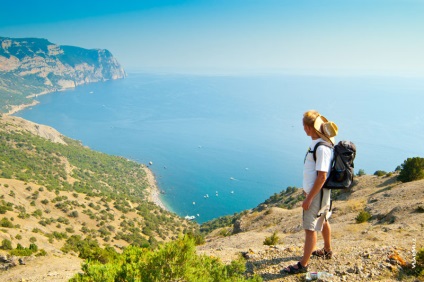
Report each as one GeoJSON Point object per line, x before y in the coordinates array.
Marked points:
{"type": "Point", "coordinates": [153, 192]}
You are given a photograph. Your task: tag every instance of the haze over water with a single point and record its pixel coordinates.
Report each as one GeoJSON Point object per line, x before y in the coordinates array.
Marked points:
{"type": "Point", "coordinates": [236, 139]}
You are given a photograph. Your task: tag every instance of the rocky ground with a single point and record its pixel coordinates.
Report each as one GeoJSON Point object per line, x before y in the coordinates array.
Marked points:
{"type": "Point", "coordinates": [378, 250]}
{"type": "Point", "coordinates": [54, 267]}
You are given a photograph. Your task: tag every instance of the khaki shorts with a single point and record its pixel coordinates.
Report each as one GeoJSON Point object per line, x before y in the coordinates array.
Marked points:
{"type": "Point", "coordinates": [314, 217]}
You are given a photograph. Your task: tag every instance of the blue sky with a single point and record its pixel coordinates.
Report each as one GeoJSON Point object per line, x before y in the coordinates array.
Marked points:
{"type": "Point", "coordinates": [313, 36]}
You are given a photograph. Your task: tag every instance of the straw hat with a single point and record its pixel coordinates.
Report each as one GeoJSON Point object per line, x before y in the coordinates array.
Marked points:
{"type": "Point", "coordinates": [325, 129]}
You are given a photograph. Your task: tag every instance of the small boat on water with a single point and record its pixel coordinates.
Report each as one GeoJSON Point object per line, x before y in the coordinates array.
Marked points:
{"type": "Point", "coordinates": [190, 217]}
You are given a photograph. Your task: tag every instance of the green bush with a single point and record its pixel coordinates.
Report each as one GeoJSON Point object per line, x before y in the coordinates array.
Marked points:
{"type": "Point", "coordinates": [420, 263]}
{"type": "Point", "coordinates": [89, 248]}
{"type": "Point", "coordinates": [380, 173]}
{"type": "Point", "coordinates": [41, 253]}
{"type": "Point", "coordinates": [361, 172]}
{"type": "Point", "coordinates": [4, 222]}
{"type": "Point", "coordinates": [21, 251]}
{"type": "Point", "coordinates": [73, 214]}
{"type": "Point", "coordinates": [174, 261]}
{"type": "Point", "coordinates": [412, 169]}
{"type": "Point", "coordinates": [6, 244]}
{"type": "Point", "coordinates": [363, 216]}
{"type": "Point", "coordinates": [271, 240]}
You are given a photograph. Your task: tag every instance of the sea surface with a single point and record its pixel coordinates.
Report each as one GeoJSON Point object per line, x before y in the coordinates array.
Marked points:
{"type": "Point", "coordinates": [222, 144]}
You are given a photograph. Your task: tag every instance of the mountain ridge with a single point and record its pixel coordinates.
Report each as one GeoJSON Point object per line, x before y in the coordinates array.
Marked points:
{"type": "Point", "coordinates": [35, 66]}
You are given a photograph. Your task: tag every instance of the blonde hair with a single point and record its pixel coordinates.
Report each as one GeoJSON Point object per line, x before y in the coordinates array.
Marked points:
{"type": "Point", "coordinates": [309, 117]}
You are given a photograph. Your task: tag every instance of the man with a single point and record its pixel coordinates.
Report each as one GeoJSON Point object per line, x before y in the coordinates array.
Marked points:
{"type": "Point", "coordinates": [317, 202]}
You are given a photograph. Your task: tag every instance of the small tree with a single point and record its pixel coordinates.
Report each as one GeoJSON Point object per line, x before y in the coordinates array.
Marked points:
{"type": "Point", "coordinates": [412, 169]}
{"type": "Point", "coordinates": [361, 172]}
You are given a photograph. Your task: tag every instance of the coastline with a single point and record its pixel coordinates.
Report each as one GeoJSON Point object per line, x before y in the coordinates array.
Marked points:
{"type": "Point", "coordinates": [153, 192]}
{"type": "Point", "coordinates": [17, 108]}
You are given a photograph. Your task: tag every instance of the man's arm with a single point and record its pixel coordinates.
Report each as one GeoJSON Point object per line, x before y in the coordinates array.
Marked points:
{"type": "Point", "coordinates": [319, 182]}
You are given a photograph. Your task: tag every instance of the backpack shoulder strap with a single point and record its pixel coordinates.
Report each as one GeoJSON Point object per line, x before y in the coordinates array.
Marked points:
{"type": "Point", "coordinates": [319, 144]}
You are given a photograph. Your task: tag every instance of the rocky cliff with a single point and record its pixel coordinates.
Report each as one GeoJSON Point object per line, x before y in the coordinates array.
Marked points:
{"type": "Point", "coordinates": [30, 66]}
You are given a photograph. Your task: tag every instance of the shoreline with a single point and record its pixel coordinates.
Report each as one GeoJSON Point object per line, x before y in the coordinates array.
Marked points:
{"type": "Point", "coordinates": [153, 189]}
{"type": "Point", "coordinates": [17, 108]}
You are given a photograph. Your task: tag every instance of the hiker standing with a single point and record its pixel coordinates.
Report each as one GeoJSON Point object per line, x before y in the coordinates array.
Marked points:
{"type": "Point", "coordinates": [316, 206]}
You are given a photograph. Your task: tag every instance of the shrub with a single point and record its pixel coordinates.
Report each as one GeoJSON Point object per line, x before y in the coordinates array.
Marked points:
{"type": "Point", "coordinates": [174, 261]}
{"type": "Point", "coordinates": [73, 214]}
{"type": "Point", "coordinates": [4, 222]}
{"type": "Point", "coordinates": [363, 216]}
{"type": "Point", "coordinates": [380, 173]}
{"type": "Point", "coordinates": [361, 172]}
{"type": "Point", "coordinates": [419, 259]}
{"type": "Point", "coordinates": [6, 244]}
{"type": "Point", "coordinates": [272, 240]}
{"type": "Point", "coordinates": [21, 252]}
{"type": "Point", "coordinates": [36, 230]}
{"type": "Point", "coordinates": [412, 169]}
{"type": "Point", "coordinates": [37, 213]}
{"type": "Point", "coordinates": [69, 230]}
{"type": "Point", "coordinates": [33, 247]}
{"type": "Point", "coordinates": [225, 232]}
{"type": "Point", "coordinates": [42, 252]}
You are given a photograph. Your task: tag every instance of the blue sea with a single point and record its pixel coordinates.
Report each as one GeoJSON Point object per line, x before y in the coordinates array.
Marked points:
{"type": "Point", "coordinates": [223, 144]}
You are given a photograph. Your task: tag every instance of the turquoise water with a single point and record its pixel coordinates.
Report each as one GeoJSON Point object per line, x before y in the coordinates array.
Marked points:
{"type": "Point", "coordinates": [238, 139]}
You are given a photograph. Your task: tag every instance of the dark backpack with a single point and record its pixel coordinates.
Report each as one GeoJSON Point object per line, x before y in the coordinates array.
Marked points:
{"type": "Point", "coordinates": [342, 168]}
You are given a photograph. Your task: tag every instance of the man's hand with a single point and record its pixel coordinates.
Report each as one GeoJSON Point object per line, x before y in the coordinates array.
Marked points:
{"type": "Point", "coordinates": [306, 203]}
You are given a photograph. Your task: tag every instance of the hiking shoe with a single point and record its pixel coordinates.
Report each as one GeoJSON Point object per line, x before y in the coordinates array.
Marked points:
{"type": "Point", "coordinates": [295, 269]}
{"type": "Point", "coordinates": [323, 254]}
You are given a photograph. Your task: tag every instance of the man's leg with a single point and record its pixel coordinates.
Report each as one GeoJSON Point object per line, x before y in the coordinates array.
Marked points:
{"type": "Point", "coordinates": [310, 243]}
{"type": "Point", "coordinates": [326, 235]}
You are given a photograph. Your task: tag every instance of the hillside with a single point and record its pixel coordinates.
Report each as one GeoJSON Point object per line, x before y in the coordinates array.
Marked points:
{"type": "Point", "coordinates": [32, 66]}
{"type": "Point", "coordinates": [53, 189]}
{"type": "Point", "coordinates": [378, 250]}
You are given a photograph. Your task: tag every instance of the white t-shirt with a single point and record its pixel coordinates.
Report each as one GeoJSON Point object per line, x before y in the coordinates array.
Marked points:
{"type": "Point", "coordinates": [324, 156]}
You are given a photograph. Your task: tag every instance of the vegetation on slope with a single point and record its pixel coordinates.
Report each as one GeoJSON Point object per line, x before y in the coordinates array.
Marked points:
{"type": "Point", "coordinates": [174, 261]}
{"type": "Point", "coordinates": [70, 190]}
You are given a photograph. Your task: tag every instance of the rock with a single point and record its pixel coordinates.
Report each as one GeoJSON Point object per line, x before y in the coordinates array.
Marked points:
{"type": "Point", "coordinates": [237, 226]}
{"type": "Point", "coordinates": [4, 259]}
